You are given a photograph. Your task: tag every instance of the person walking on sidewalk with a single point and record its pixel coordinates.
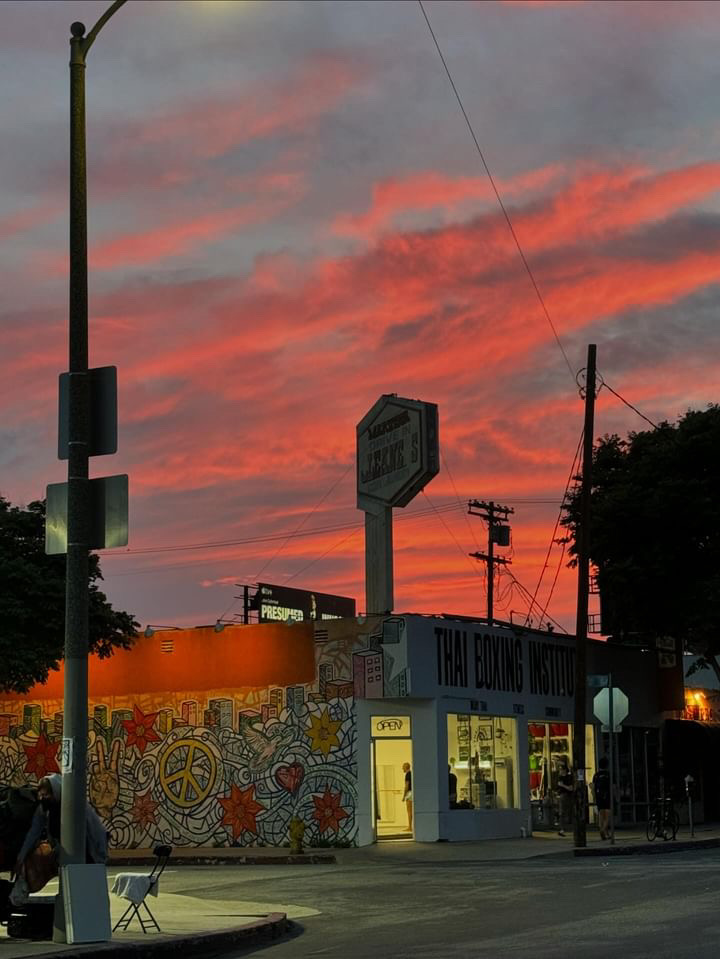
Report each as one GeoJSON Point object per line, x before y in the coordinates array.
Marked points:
{"type": "Point", "coordinates": [565, 795]}
{"type": "Point", "coordinates": [601, 791]}
{"type": "Point", "coordinates": [407, 795]}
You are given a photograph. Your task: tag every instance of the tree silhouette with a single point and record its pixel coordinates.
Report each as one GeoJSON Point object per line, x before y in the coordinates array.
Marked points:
{"type": "Point", "coordinates": [655, 533]}
{"type": "Point", "coordinates": [32, 603]}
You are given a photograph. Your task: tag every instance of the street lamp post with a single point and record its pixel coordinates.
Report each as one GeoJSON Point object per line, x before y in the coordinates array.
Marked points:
{"type": "Point", "coordinates": [75, 709]}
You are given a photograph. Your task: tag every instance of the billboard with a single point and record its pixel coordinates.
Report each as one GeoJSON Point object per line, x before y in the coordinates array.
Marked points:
{"type": "Point", "coordinates": [285, 604]}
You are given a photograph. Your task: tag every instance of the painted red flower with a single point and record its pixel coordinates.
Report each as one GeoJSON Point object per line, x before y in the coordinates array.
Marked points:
{"type": "Point", "coordinates": [241, 808]}
{"type": "Point", "coordinates": [328, 811]}
{"type": "Point", "coordinates": [42, 757]}
{"type": "Point", "coordinates": [143, 810]}
{"type": "Point", "coordinates": [140, 730]}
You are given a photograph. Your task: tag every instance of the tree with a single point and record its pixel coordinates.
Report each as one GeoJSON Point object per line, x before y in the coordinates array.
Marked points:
{"type": "Point", "coordinates": [32, 603]}
{"type": "Point", "coordinates": [655, 532]}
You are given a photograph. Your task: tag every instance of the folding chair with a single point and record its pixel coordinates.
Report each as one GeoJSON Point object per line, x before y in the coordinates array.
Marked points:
{"type": "Point", "coordinates": [136, 887]}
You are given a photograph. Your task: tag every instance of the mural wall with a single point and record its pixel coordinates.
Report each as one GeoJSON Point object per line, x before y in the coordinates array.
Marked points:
{"type": "Point", "coordinates": [223, 766]}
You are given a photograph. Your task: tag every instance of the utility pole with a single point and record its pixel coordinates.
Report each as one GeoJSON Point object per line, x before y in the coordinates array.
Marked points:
{"type": "Point", "coordinates": [581, 627]}
{"type": "Point", "coordinates": [498, 533]}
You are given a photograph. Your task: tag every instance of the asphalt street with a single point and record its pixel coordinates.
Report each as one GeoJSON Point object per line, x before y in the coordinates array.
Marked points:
{"type": "Point", "coordinates": [416, 905]}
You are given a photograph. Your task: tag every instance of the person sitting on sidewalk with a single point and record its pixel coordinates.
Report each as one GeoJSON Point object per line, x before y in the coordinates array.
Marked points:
{"type": "Point", "coordinates": [37, 861]}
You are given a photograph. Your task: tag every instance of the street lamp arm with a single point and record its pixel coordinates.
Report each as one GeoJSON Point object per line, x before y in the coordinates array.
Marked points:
{"type": "Point", "coordinates": [78, 29]}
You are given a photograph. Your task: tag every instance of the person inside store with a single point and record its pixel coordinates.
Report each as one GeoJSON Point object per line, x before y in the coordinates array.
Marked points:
{"type": "Point", "coordinates": [601, 791]}
{"type": "Point", "coordinates": [452, 788]}
{"type": "Point", "coordinates": [407, 795]}
{"type": "Point", "coordinates": [565, 795]}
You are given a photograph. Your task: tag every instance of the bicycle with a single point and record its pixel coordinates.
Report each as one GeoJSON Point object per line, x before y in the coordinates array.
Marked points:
{"type": "Point", "coordinates": [664, 821]}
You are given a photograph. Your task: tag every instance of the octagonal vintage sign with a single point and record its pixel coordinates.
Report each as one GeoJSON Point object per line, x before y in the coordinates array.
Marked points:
{"type": "Point", "coordinates": [398, 451]}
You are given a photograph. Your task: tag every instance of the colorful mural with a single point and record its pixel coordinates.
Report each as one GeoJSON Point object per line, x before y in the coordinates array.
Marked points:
{"type": "Point", "coordinates": [219, 767]}
{"type": "Point", "coordinates": [227, 767]}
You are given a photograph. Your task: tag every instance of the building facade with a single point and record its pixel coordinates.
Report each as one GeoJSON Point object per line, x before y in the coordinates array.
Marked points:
{"type": "Point", "coordinates": [223, 739]}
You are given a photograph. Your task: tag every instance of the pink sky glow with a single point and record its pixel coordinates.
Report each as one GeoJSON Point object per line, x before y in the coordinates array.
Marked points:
{"type": "Point", "coordinates": [288, 218]}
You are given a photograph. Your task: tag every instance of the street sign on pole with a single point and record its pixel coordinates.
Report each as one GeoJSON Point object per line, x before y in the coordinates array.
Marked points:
{"type": "Point", "coordinates": [598, 679]}
{"type": "Point", "coordinates": [108, 514]}
{"type": "Point", "coordinates": [103, 424]}
{"type": "Point", "coordinates": [611, 707]}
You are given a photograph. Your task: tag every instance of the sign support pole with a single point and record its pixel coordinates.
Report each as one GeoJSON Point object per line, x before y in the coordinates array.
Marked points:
{"type": "Point", "coordinates": [378, 559]}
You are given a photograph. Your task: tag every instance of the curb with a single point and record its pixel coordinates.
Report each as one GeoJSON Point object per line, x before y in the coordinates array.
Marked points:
{"type": "Point", "coordinates": [199, 944]}
{"type": "Point", "coordinates": [204, 859]}
{"type": "Point", "coordinates": [648, 848]}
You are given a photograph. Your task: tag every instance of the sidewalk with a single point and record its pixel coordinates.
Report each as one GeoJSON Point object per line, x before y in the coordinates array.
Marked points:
{"type": "Point", "coordinates": [194, 927]}
{"type": "Point", "coordinates": [540, 844]}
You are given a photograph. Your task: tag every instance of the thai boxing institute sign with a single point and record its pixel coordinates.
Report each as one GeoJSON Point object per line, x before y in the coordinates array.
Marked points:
{"type": "Point", "coordinates": [484, 660]}
{"type": "Point", "coordinates": [397, 450]}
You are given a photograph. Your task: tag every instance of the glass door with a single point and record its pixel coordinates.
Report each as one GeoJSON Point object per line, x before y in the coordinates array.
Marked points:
{"type": "Point", "coordinates": [391, 778]}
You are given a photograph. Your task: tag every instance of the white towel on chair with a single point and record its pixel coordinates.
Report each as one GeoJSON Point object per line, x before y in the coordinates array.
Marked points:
{"type": "Point", "coordinates": [134, 886]}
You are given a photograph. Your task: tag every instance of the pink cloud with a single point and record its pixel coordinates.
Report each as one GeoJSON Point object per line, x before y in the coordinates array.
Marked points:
{"type": "Point", "coordinates": [429, 190]}
{"type": "Point", "coordinates": [296, 102]}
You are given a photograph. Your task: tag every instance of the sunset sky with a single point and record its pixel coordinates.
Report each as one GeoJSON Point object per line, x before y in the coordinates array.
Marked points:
{"type": "Point", "coordinates": [288, 218]}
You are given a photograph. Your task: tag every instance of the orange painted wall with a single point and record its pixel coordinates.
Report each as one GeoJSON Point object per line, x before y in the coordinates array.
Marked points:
{"type": "Point", "coordinates": [268, 654]}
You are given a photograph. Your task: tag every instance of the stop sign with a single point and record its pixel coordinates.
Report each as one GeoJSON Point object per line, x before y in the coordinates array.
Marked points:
{"type": "Point", "coordinates": [620, 704]}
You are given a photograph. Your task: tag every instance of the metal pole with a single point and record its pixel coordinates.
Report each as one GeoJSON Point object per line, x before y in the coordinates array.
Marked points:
{"type": "Point", "coordinates": [583, 550]}
{"type": "Point", "coordinates": [378, 559]}
{"type": "Point", "coordinates": [611, 717]}
{"type": "Point", "coordinates": [491, 564]}
{"type": "Point", "coordinates": [688, 781]}
{"type": "Point", "coordinates": [75, 706]}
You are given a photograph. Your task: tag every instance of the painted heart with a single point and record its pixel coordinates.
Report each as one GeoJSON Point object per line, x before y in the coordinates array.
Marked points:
{"type": "Point", "coordinates": [290, 777]}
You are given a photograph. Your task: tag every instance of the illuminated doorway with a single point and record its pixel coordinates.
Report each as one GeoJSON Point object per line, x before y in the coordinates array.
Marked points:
{"type": "Point", "coordinates": [391, 752]}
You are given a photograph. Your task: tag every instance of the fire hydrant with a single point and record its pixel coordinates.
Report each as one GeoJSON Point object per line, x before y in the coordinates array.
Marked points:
{"type": "Point", "coordinates": [297, 831]}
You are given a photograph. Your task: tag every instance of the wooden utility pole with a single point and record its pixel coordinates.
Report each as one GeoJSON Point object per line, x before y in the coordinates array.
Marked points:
{"type": "Point", "coordinates": [498, 532]}
{"type": "Point", "coordinates": [581, 627]}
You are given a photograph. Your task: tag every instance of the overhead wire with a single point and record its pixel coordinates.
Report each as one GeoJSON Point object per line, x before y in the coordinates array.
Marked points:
{"type": "Point", "coordinates": [630, 405]}
{"type": "Point", "coordinates": [270, 537]}
{"type": "Point", "coordinates": [528, 269]}
{"type": "Point", "coordinates": [460, 503]}
{"type": "Point", "coordinates": [323, 555]}
{"type": "Point", "coordinates": [302, 523]}
{"type": "Point", "coordinates": [450, 533]}
{"type": "Point", "coordinates": [526, 592]}
{"type": "Point", "coordinates": [573, 468]}
{"type": "Point", "coordinates": [490, 177]}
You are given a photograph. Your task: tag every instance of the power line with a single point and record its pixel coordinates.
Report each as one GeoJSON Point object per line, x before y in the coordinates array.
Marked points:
{"type": "Point", "coordinates": [450, 532]}
{"type": "Point", "coordinates": [633, 408]}
{"type": "Point", "coordinates": [406, 515]}
{"type": "Point", "coordinates": [301, 524]}
{"type": "Point", "coordinates": [555, 579]}
{"type": "Point", "coordinates": [457, 495]}
{"type": "Point", "coordinates": [323, 555]}
{"type": "Point", "coordinates": [270, 537]}
{"type": "Point", "coordinates": [554, 532]}
{"type": "Point", "coordinates": [497, 193]}
{"type": "Point", "coordinates": [526, 592]}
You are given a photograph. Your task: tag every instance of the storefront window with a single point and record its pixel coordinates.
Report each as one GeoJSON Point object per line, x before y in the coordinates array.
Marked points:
{"type": "Point", "coordinates": [549, 746]}
{"type": "Point", "coordinates": [482, 756]}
